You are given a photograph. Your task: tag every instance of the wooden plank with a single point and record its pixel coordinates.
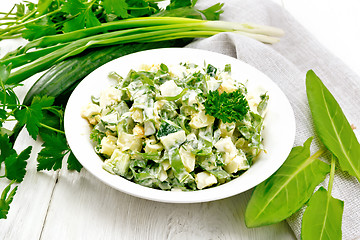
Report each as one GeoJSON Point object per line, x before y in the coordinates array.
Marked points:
{"type": "Point", "coordinates": [82, 207]}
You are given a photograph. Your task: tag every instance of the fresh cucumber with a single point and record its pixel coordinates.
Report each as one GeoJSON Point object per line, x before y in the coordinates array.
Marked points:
{"type": "Point", "coordinates": [63, 77]}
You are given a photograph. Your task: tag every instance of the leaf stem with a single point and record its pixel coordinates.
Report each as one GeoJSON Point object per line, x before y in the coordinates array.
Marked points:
{"type": "Point", "coordinates": [29, 15]}
{"type": "Point", "coordinates": [51, 128]}
{"type": "Point", "coordinates": [332, 174]}
{"type": "Point", "coordinates": [4, 13]}
{"type": "Point", "coordinates": [3, 87]}
{"type": "Point", "coordinates": [10, 13]}
{"type": "Point", "coordinates": [30, 21]}
{"type": "Point", "coordinates": [318, 153]}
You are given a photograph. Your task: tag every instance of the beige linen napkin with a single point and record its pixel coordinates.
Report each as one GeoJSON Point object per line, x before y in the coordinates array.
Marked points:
{"type": "Point", "coordinates": [286, 63]}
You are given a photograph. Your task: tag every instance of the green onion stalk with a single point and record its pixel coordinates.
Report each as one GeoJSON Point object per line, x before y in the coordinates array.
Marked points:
{"type": "Point", "coordinates": [49, 50]}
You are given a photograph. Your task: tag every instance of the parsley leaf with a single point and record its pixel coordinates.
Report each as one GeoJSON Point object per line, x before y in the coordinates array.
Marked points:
{"type": "Point", "coordinates": [20, 9]}
{"type": "Point", "coordinates": [117, 7]}
{"type": "Point", "coordinates": [44, 27]}
{"type": "Point", "coordinates": [7, 96]}
{"type": "Point", "coordinates": [15, 165]}
{"type": "Point", "coordinates": [2, 116]}
{"type": "Point", "coordinates": [43, 5]}
{"type": "Point", "coordinates": [228, 107]}
{"type": "Point", "coordinates": [5, 148]}
{"type": "Point", "coordinates": [213, 12]}
{"type": "Point", "coordinates": [178, 4]}
{"type": "Point", "coordinates": [5, 200]}
{"type": "Point", "coordinates": [141, 8]}
{"type": "Point", "coordinates": [54, 149]}
{"type": "Point", "coordinates": [73, 163]}
{"type": "Point", "coordinates": [31, 116]}
{"type": "Point", "coordinates": [82, 13]}
{"type": "Point", "coordinates": [52, 118]}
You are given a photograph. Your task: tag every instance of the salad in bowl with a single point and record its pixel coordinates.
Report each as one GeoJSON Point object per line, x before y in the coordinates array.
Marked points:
{"type": "Point", "coordinates": [180, 127]}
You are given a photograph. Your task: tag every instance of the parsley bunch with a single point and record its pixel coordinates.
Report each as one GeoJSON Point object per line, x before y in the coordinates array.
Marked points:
{"type": "Point", "coordinates": [40, 118]}
{"type": "Point", "coordinates": [228, 107]}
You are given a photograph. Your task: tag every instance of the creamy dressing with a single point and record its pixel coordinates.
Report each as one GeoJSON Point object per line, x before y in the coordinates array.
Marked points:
{"type": "Point", "coordinates": [152, 128]}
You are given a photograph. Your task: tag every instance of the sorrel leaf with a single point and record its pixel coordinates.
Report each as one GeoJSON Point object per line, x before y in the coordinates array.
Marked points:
{"type": "Point", "coordinates": [288, 189]}
{"type": "Point", "coordinates": [332, 126]}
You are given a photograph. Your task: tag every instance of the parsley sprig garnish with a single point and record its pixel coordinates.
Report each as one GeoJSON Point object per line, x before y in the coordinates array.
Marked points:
{"type": "Point", "coordinates": [228, 107]}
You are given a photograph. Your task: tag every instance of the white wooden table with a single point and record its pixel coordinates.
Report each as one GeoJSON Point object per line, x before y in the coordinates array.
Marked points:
{"type": "Point", "coordinates": [69, 205]}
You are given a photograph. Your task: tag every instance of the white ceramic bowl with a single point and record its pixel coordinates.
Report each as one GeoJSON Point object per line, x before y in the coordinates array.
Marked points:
{"type": "Point", "coordinates": [278, 134]}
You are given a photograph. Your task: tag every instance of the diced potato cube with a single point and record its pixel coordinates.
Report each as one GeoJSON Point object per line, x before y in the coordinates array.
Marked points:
{"type": "Point", "coordinates": [212, 84]}
{"type": "Point", "coordinates": [129, 141]}
{"type": "Point", "coordinates": [118, 163]}
{"type": "Point", "coordinates": [192, 97]}
{"type": "Point", "coordinates": [108, 145]}
{"type": "Point", "coordinates": [162, 175]}
{"type": "Point", "coordinates": [139, 131]}
{"type": "Point", "coordinates": [137, 115]}
{"type": "Point", "coordinates": [253, 103]}
{"type": "Point", "coordinates": [228, 85]}
{"type": "Point", "coordinates": [225, 145]}
{"type": "Point", "coordinates": [204, 179]}
{"type": "Point", "coordinates": [166, 165]}
{"type": "Point", "coordinates": [149, 128]}
{"type": "Point", "coordinates": [173, 139]}
{"type": "Point", "coordinates": [110, 96]}
{"type": "Point", "coordinates": [228, 157]}
{"type": "Point", "coordinates": [187, 158]}
{"type": "Point", "coordinates": [90, 112]}
{"type": "Point", "coordinates": [170, 89]}
{"type": "Point", "coordinates": [200, 120]}
{"type": "Point", "coordinates": [237, 163]}
{"type": "Point", "coordinates": [177, 71]}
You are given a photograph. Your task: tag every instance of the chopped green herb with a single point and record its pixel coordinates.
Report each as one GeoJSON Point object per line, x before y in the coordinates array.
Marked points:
{"type": "Point", "coordinates": [228, 107]}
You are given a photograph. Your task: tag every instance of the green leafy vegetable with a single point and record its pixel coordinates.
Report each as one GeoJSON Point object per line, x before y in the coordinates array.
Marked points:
{"type": "Point", "coordinates": [332, 126]}
{"type": "Point", "coordinates": [323, 215]}
{"type": "Point", "coordinates": [5, 200]}
{"type": "Point", "coordinates": [73, 163]}
{"type": "Point", "coordinates": [43, 5]}
{"type": "Point", "coordinates": [36, 30]}
{"type": "Point", "coordinates": [177, 165]}
{"type": "Point", "coordinates": [285, 192]}
{"type": "Point", "coordinates": [228, 107]}
{"type": "Point", "coordinates": [178, 4]}
{"type": "Point", "coordinates": [167, 127]}
{"type": "Point", "coordinates": [31, 116]}
{"type": "Point", "coordinates": [5, 148]}
{"type": "Point", "coordinates": [213, 12]}
{"type": "Point", "coordinates": [83, 15]}
{"type": "Point", "coordinates": [117, 7]}
{"type": "Point", "coordinates": [211, 70]}
{"type": "Point", "coordinates": [322, 218]}
{"type": "Point", "coordinates": [54, 150]}
{"type": "Point", "coordinates": [15, 165]}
